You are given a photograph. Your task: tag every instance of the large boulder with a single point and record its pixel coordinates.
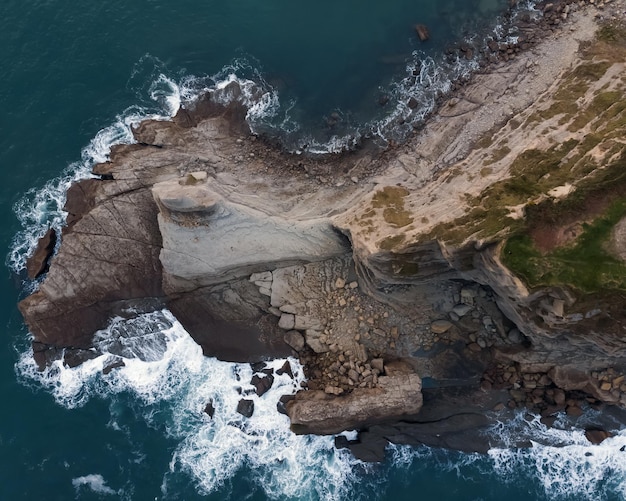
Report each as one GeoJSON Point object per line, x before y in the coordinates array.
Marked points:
{"type": "Point", "coordinates": [397, 397]}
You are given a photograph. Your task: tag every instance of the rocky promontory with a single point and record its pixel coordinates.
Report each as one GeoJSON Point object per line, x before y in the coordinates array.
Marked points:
{"type": "Point", "coordinates": [430, 289]}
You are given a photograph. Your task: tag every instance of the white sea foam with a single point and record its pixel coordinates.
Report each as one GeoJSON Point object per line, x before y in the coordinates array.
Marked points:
{"type": "Point", "coordinates": [94, 482]}
{"type": "Point", "coordinates": [42, 208]}
{"type": "Point", "coordinates": [163, 365]}
{"type": "Point", "coordinates": [566, 464]}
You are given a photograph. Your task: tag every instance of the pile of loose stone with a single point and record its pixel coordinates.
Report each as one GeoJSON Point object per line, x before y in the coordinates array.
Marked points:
{"type": "Point", "coordinates": [611, 381]}
{"type": "Point", "coordinates": [344, 337]}
{"type": "Point", "coordinates": [538, 393]}
{"type": "Point", "coordinates": [341, 373]}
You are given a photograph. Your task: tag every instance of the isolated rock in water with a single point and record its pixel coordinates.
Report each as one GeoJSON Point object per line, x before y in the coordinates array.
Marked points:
{"type": "Point", "coordinates": [113, 365]}
{"type": "Point", "coordinates": [282, 402]}
{"type": "Point", "coordinates": [422, 32]}
{"type": "Point", "coordinates": [285, 369]}
{"type": "Point", "coordinates": [245, 407]}
{"type": "Point", "coordinates": [209, 409]}
{"type": "Point", "coordinates": [37, 264]}
{"type": "Point", "coordinates": [596, 436]}
{"type": "Point", "coordinates": [262, 384]}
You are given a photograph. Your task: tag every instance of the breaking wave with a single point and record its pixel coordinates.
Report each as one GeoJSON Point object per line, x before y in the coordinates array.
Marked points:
{"type": "Point", "coordinates": [95, 483]}
{"type": "Point", "coordinates": [562, 461]}
{"type": "Point", "coordinates": [162, 368]}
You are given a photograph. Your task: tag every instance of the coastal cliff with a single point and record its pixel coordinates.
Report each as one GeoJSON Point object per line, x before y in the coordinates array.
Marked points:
{"type": "Point", "coordinates": [428, 289]}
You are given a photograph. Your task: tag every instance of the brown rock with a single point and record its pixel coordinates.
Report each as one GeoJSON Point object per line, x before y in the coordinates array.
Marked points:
{"type": "Point", "coordinates": [395, 397]}
{"type": "Point", "coordinates": [596, 436]}
{"type": "Point", "coordinates": [377, 363]}
{"type": "Point", "coordinates": [559, 397]}
{"type": "Point", "coordinates": [440, 326]}
{"type": "Point", "coordinates": [37, 264]}
{"type": "Point", "coordinates": [285, 369]}
{"type": "Point", "coordinates": [262, 384]}
{"type": "Point", "coordinates": [574, 411]}
{"type": "Point", "coordinates": [422, 32]}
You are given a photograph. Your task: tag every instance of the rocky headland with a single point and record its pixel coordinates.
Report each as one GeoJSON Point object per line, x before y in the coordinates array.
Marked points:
{"type": "Point", "coordinates": [430, 289]}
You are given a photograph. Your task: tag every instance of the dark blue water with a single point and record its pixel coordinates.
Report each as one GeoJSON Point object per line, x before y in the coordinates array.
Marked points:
{"type": "Point", "coordinates": [73, 77]}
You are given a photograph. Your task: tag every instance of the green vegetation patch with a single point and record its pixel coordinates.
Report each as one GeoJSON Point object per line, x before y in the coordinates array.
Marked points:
{"type": "Point", "coordinates": [585, 265]}
{"type": "Point", "coordinates": [604, 107]}
{"type": "Point", "coordinates": [391, 200]}
{"type": "Point", "coordinates": [612, 33]}
{"type": "Point", "coordinates": [498, 155]}
{"type": "Point", "coordinates": [392, 242]}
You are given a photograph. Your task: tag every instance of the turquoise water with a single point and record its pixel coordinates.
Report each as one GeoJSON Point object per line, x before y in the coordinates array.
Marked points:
{"type": "Point", "coordinates": [73, 78]}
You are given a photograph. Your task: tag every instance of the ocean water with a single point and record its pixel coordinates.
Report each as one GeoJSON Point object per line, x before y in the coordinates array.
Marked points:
{"type": "Point", "coordinates": [74, 78]}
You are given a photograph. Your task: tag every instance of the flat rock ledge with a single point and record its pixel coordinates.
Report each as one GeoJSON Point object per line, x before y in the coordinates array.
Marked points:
{"type": "Point", "coordinates": [395, 398]}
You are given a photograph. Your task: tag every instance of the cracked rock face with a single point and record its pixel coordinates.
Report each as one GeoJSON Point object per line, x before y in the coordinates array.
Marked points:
{"type": "Point", "coordinates": [110, 262]}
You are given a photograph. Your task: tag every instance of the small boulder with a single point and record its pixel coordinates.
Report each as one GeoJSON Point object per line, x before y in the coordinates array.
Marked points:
{"type": "Point", "coordinates": [333, 390]}
{"type": "Point", "coordinates": [515, 336]}
{"type": "Point", "coordinates": [369, 447]}
{"type": "Point", "coordinates": [342, 442]}
{"type": "Point", "coordinates": [281, 405]}
{"type": "Point", "coordinates": [209, 409]}
{"type": "Point", "coordinates": [287, 321]}
{"type": "Point", "coordinates": [440, 326]}
{"type": "Point", "coordinates": [245, 407]}
{"type": "Point", "coordinates": [377, 363]}
{"type": "Point", "coordinates": [286, 369]}
{"type": "Point", "coordinates": [462, 309]}
{"type": "Point", "coordinates": [262, 384]}
{"type": "Point", "coordinates": [114, 365]}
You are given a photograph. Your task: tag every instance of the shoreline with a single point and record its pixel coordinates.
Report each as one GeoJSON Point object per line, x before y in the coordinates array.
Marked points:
{"type": "Point", "coordinates": [342, 289]}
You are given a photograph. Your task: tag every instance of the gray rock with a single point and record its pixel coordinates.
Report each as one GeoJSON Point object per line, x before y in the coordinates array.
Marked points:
{"type": "Point", "coordinates": [468, 295]}
{"type": "Point", "coordinates": [294, 339]}
{"type": "Point", "coordinates": [313, 340]}
{"type": "Point", "coordinates": [515, 336]}
{"type": "Point", "coordinates": [462, 309]}
{"type": "Point", "coordinates": [287, 321]}
{"type": "Point", "coordinates": [377, 363]}
{"type": "Point", "coordinates": [398, 397]}
{"type": "Point", "coordinates": [245, 407]}
{"type": "Point", "coordinates": [264, 276]}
